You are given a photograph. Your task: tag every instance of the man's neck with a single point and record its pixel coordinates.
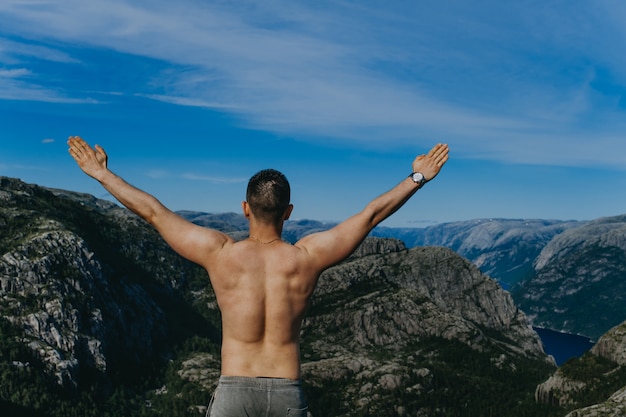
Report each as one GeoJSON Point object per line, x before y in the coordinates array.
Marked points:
{"type": "Point", "coordinates": [265, 233]}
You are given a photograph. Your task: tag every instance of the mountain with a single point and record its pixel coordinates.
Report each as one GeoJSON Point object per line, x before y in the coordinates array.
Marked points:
{"type": "Point", "coordinates": [579, 284]}
{"type": "Point", "coordinates": [504, 249]}
{"type": "Point", "coordinates": [408, 330]}
{"type": "Point", "coordinates": [593, 385]}
{"type": "Point", "coordinates": [567, 276]}
{"type": "Point", "coordinates": [91, 300]}
{"type": "Point", "coordinates": [100, 318]}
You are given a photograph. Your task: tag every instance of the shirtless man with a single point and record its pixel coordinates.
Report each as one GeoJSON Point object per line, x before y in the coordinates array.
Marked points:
{"type": "Point", "coordinates": [262, 284]}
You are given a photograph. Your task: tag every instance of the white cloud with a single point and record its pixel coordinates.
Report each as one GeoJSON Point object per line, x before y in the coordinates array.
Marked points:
{"type": "Point", "coordinates": [18, 84]}
{"type": "Point", "coordinates": [14, 73]}
{"type": "Point", "coordinates": [45, 141]}
{"type": "Point", "coordinates": [215, 180]}
{"type": "Point", "coordinates": [188, 101]}
{"type": "Point", "coordinates": [15, 53]}
{"type": "Point", "coordinates": [24, 91]}
{"type": "Point", "coordinates": [503, 80]}
{"type": "Point", "coordinates": [159, 174]}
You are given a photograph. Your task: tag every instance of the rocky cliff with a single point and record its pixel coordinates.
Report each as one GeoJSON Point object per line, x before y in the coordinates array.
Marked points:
{"type": "Point", "coordinates": [398, 303]}
{"type": "Point", "coordinates": [89, 286]}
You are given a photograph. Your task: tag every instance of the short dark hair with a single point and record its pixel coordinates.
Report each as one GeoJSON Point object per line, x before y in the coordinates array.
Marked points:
{"type": "Point", "coordinates": [268, 195]}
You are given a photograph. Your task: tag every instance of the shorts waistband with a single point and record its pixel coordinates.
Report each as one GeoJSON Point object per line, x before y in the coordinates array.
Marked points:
{"type": "Point", "coordinates": [259, 381]}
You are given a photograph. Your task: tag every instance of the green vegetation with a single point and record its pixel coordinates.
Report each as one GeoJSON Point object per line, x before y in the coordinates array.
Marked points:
{"type": "Point", "coordinates": [131, 254]}
{"type": "Point", "coordinates": [601, 376]}
{"type": "Point", "coordinates": [462, 383]}
{"type": "Point", "coordinates": [589, 305]}
{"type": "Point", "coordinates": [26, 389]}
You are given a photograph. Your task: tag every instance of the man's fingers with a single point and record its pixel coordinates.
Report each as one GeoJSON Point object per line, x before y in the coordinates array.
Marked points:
{"type": "Point", "coordinates": [100, 149]}
{"type": "Point", "coordinates": [438, 150]}
{"type": "Point", "coordinates": [434, 150]}
{"type": "Point", "coordinates": [441, 153]}
{"type": "Point", "coordinates": [80, 150]}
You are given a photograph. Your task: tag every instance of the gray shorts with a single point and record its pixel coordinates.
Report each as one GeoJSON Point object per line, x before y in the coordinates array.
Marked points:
{"type": "Point", "coordinates": [237, 396]}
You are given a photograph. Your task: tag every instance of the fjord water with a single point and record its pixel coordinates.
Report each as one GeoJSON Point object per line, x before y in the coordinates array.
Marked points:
{"type": "Point", "coordinates": [563, 346]}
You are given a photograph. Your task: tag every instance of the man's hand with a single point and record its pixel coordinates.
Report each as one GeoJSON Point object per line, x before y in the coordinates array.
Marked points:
{"type": "Point", "coordinates": [92, 161]}
{"type": "Point", "coordinates": [431, 163]}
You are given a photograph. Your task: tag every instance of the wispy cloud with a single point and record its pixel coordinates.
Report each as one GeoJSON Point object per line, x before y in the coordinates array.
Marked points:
{"type": "Point", "coordinates": [14, 73]}
{"type": "Point", "coordinates": [215, 180]}
{"type": "Point", "coordinates": [21, 84]}
{"type": "Point", "coordinates": [516, 81]}
{"type": "Point", "coordinates": [188, 101]}
{"type": "Point", "coordinates": [156, 174]}
{"type": "Point", "coordinates": [48, 140]}
{"type": "Point", "coordinates": [164, 174]}
{"type": "Point", "coordinates": [16, 53]}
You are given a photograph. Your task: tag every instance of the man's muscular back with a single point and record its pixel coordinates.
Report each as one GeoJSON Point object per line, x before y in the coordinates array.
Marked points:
{"type": "Point", "coordinates": [262, 291]}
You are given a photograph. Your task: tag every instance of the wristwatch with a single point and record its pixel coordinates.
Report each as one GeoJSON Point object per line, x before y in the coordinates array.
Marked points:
{"type": "Point", "coordinates": [418, 178]}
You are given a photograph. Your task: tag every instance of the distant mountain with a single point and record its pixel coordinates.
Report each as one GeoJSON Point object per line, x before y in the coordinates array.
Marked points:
{"type": "Point", "coordinates": [504, 249]}
{"type": "Point", "coordinates": [100, 317]}
{"type": "Point", "coordinates": [579, 285]}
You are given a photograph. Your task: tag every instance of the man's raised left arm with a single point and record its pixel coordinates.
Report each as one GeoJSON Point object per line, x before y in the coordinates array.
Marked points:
{"type": "Point", "coordinates": [334, 245]}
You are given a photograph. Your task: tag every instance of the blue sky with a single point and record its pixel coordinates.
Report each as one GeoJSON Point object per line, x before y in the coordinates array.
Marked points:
{"type": "Point", "coordinates": [190, 98]}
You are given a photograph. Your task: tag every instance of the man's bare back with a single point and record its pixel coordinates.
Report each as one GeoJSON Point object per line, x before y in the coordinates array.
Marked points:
{"type": "Point", "coordinates": [262, 291]}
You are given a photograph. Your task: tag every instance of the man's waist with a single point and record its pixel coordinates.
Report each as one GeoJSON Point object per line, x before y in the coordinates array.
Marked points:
{"type": "Point", "coordinates": [260, 360]}
{"type": "Point", "coordinates": [258, 381]}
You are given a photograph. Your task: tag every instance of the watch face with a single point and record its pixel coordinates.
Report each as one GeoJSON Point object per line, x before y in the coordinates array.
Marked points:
{"type": "Point", "coordinates": [418, 177]}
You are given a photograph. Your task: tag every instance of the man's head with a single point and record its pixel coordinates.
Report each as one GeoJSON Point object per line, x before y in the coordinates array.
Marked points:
{"type": "Point", "coordinates": [268, 196]}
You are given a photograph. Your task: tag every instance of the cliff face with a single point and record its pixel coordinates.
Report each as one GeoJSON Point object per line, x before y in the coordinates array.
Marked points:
{"type": "Point", "coordinates": [53, 287]}
{"type": "Point", "coordinates": [88, 298]}
{"type": "Point", "coordinates": [449, 297]}
{"type": "Point", "coordinates": [378, 325]}
{"type": "Point", "coordinates": [612, 345]}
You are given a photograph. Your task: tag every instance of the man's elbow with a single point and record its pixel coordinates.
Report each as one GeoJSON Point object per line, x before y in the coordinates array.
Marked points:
{"type": "Point", "coordinates": [371, 218]}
